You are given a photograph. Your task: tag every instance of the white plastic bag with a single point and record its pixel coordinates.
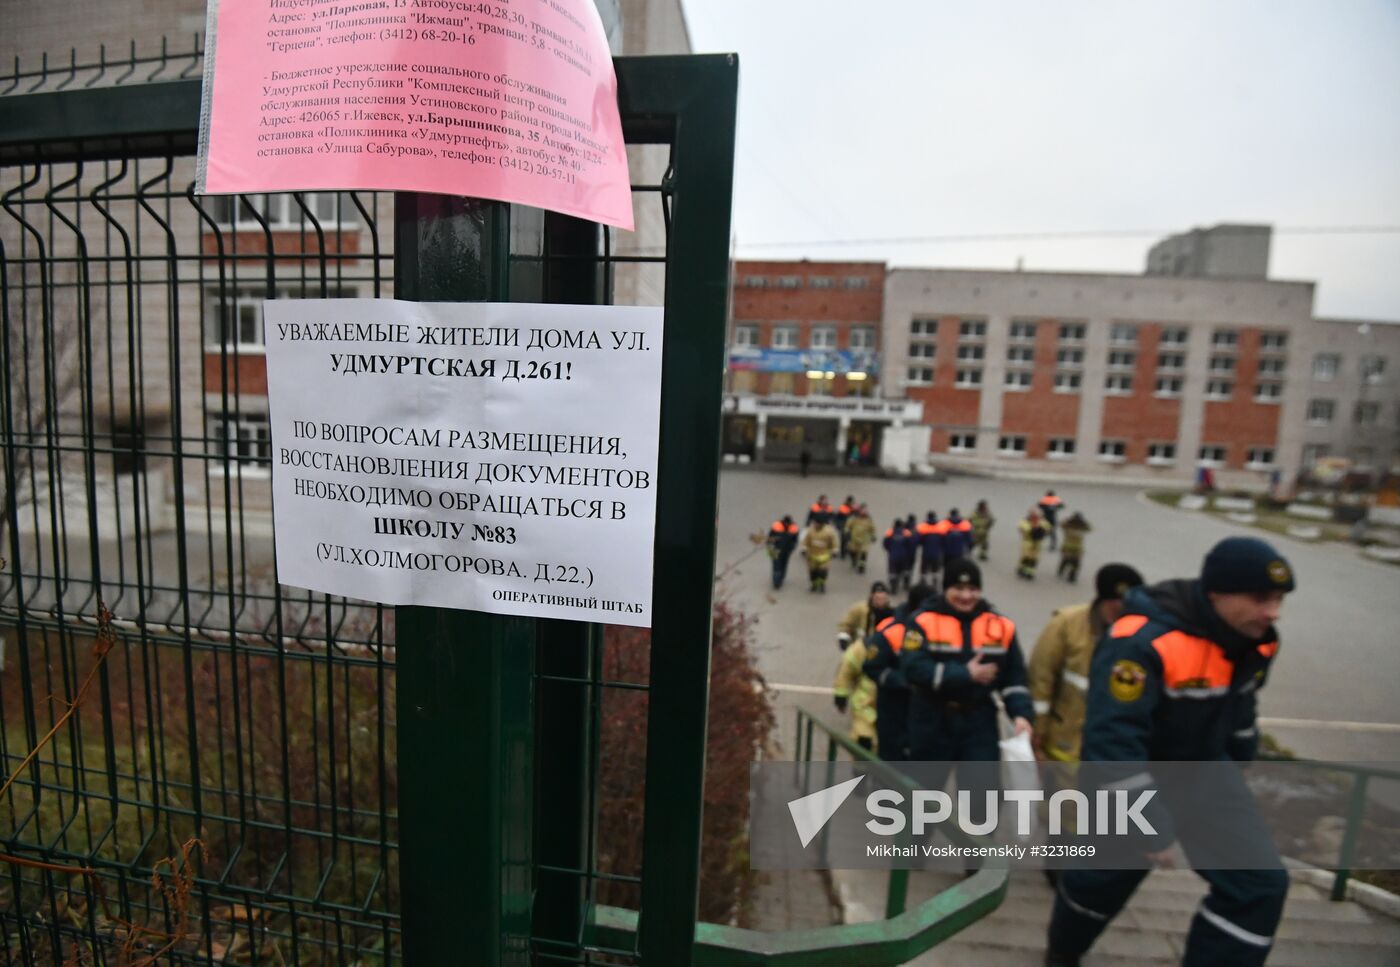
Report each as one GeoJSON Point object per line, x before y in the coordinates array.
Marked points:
{"type": "Point", "coordinates": [1019, 771]}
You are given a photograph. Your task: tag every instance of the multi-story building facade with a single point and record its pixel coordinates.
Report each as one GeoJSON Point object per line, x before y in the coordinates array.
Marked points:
{"type": "Point", "coordinates": [1352, 392]}
{"type": "Point", "coordinates": [1102, 375]}
{"type": "Point", "coordinates": [804, 363]}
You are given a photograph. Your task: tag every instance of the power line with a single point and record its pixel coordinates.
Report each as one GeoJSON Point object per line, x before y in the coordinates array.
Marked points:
{"type": "Point", "coordinates": [1109, 233]}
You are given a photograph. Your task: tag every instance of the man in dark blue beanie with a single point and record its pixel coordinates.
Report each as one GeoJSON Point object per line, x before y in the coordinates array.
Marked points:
{"type": "Point", "coordinates": [1175, 679]}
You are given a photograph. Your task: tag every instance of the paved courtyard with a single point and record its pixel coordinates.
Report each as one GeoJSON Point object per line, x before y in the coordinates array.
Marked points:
{"type": "Point", "coordinates": [1340, 660]}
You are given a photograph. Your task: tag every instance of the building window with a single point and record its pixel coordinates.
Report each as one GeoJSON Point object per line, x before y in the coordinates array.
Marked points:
{"type": "Point", "coordinates": [1069, 357]}
{"type": "Point", "coordinates": [855, 282]}
{"type": "Point", "coordinates": [972, 329]}
{"type": "Point", "coordinates": [1219, 389]}
{"type": "Point", "coordinates": [743, 381]}
{"type": "Point", "coordinates": [861, 337]}
{"type": "Point", "coordinates": [968, 378]}
{"type": "Point", "coordinates": [1020, 354]}
{"type": "Point", "coordinates": [244, 438]}
{"type": "Point", "coordinates": [782, 384]}
{"type": "Point", "coordinates": [1122, 334]}
{"type": "Point", "coordinates": [919, 376]}
{"type": "Point", "coordinates": [1222, 364]}
{"type": "Point", "coordinates": [1224, 339]}
{"type": "Point", "coordinates": [823, 337]}
{"type": "Point", "coordinates": [1022, 331]}
{"type": "Point", "coordinates": [1325, 366]}
{"type": "Point", "coordinates": [1072, 332]}
{"type": "Point", "coordinates": [755, 282]}
{"type": "Point", "coordinates": [1320, 412]}
{"type": "Point", "coordinates": [1122, 360]}
{"type": "Point", "coordinates": [923, 327]}
{"type": "Point", "coordinates": [1271, 367]}
{"type": "Point", "coordinates": [746, 335]}
{"type": "Point", "coordinates": [236, 320]}
{"type": "Point", "coordinates": [1273, 342]}
{"type": "Point", "coordinates": [1118, 385]}
{"type": "Point", "coordinates": [784, 337]}
{"type": "Point", "coordinates": [1259, 457]}
{"type": "Point", "coordinates": [789, 281]}
{"type": "Point", "coordinates": [1268, 392]}
{"type": "Point", "coordinates": [1061, 448]}
{"type": "Point", "coordinates": [962, 442]}
{"type": "Point", "coordinates": [821, 281]}
{"type": "Point", "coordinates": [1171, 362]}
{"type": "Point", "coordinates": [1211, 455]}
{"type": "Point", "coordinates": [1168, 386]}
{"type": "Point", "coordinates": [821, 385]}
{"type": "Point", "coordinates": [281, 211]}
{"type": "Point", "coordinates": [1012, 446]}
{"type": "Point", "coordinates": [1366, 414]}
{"type": "Point", "coordinates": [971, 353]}
{"type": "Point", "coordinates": [923, 350]}
{"type": "Point", "coordinates": [1173, 337]}
{"type": "Point", "coordinates": [1113, 451]}
{"type": "Point", "coordinates": [1372, 369]}
{"type": "Point", "coordinates": [1067, 382]}
{"type": "Point", "coordinates": [1161, 454]}
{"type": "Point", "coordinates": [1313, 452]}
{"type": "Point", "coordinates": [1018, 379]}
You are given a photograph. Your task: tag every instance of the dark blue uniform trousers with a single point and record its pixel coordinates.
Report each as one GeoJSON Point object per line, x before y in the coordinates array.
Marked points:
{"type": "Point", "coordinates": [1235, 923]}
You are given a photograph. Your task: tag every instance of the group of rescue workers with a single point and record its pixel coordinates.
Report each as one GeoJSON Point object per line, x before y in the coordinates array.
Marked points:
{"type": "Point", "coordinates": [1138, 674]}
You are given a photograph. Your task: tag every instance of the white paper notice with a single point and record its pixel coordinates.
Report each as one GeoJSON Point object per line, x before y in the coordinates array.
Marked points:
{"type": "Point", "coordinates": [491, 457]}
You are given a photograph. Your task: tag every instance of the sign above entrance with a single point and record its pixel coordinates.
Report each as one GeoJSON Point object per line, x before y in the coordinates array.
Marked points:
{"type": "Point", "coordinates": [512, 102]}
{"type": "Point", "coordinates": [858, 407]}
{"type": "Point", "coordinates": [838, 362]}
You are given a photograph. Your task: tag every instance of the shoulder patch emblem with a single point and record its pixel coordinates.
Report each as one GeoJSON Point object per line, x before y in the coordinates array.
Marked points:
{"type": "Point", "coordinates": [1279, 573]}
{"type": "Point", "coordinates": [1125, 683]}
{"type": "Point", "coordinates": [913, 640]}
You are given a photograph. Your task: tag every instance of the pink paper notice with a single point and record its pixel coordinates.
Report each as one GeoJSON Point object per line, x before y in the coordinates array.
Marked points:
{"type": "Point", "coordinates": [514, 100]}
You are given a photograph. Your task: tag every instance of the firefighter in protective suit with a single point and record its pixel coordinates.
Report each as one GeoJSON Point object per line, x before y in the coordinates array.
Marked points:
{"type": "Point", "coordinates": [853, 689]}
{"type": "Point", "coordinates": [1175, 679]}
{"type": "Point", "coordinates": [1059, 665]}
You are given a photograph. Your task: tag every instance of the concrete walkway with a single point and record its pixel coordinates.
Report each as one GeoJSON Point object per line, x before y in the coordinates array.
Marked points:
{"type": "Point", "coordinates": [1151, 930]}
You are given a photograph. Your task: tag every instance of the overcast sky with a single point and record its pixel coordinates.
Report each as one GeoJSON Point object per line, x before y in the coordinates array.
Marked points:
{"type": "Point", "coordinates": [898, 119]}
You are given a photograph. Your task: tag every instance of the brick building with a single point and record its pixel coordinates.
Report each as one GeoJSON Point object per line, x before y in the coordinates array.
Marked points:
{"type": "Point", "coordinates": [804, 363]}
{"type": "Point", "coordinates": [1103, 375]}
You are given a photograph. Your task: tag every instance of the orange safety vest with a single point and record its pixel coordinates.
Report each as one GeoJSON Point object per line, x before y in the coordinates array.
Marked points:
{"type": "Point", "coordinates": [962, 526]}
{"type": "Point", "coordinates": [844, 510]}
{"type": "Point", "coordinates": [1050, 501]}
{"type": "Point", "coordinates": [780, 528]}
{"type": "Point", "coordinates": [926, 528]}
{"type": "Point", "coordinates": [1192, 667]}
{"type": "Point", "coordinates": [895, 635]}
{"type": "Point", "coordinates": [991, 632]}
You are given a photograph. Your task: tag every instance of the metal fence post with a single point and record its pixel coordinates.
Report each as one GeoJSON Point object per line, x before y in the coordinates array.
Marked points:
{"type": "Point", "coordinates": [465, 679]}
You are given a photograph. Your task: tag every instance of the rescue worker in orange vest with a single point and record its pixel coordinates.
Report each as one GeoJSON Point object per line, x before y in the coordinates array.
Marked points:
{"type": "Point", "coordinates": [1059, 665]}
{"type": "Point", "coordinates": [1176, 679]}
{"type": "Point", "coordinates": [782, 541]}
{"type": "Point", "coordinates": [843, 514]}
{"type": "Point", "coordinates": [820, 508]}
{"type": "Point", "coordinates": [957, 537]}
{"type": "Point", "coordinates": [1050, 507]}
{"type": "Point", "coordinates": [957, 653]}
{"type": "Point", "coordinates": [930, 533]}
{"type": "Point", "coordinates": [883, 667]}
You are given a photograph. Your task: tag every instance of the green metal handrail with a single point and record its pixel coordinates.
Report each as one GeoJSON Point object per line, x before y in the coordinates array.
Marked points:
{"type": "Point", "coordinates": [901, 936]}
{"type": "Point", "coordinates": [1356, 809]}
